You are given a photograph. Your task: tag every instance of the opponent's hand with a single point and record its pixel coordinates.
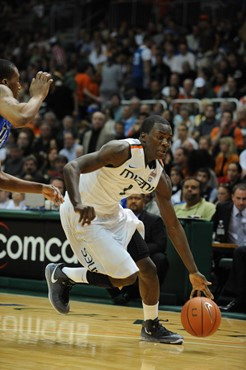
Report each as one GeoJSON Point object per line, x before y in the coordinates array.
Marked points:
{"type": "Point", "coordinates": [40, 85]}
{"type": "Point", "coordinates": [86, 214]}
{"type": "Point", "coordinates": [200, 284]}
{"type": "Point", "coordinates": [52, 193]}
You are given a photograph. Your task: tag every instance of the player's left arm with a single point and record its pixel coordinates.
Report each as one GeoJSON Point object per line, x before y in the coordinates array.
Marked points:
{"type": "Point", "coordinates": [177, 235]}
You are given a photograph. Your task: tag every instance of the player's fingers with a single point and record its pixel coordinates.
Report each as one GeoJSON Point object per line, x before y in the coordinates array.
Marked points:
{"type": "Point", "coordinates": [39, 75]}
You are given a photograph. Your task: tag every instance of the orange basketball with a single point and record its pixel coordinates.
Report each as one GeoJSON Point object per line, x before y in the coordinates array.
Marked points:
{"type": "Point", "coordinates": [200, 316]}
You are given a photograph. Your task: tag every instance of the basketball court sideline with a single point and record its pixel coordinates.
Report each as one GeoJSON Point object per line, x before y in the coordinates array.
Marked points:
{"type": "Point", "coordinates": [98, 336]}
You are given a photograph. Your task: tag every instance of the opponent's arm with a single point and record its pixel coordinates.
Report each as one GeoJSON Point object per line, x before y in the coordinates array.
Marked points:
{"type": "Point", "coordinates": [19, 114]}
{"type": "Point", "coordinates": [13, 184]}
{"type": "Point", "coordinates": [177, 235]}
{"type": "Point", "coordinates": [112, 153]}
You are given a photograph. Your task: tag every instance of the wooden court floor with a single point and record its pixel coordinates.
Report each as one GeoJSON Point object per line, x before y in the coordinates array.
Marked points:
{"type": "Point", "coordinates": [94, 336]}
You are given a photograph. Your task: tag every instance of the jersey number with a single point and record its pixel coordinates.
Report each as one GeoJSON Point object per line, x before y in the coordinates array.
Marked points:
{"type": "Point", "coordinates": [125, 189]}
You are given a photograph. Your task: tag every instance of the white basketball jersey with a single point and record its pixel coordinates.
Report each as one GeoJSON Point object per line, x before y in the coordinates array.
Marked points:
{"type": "Point", "coordinates": [103, 189]}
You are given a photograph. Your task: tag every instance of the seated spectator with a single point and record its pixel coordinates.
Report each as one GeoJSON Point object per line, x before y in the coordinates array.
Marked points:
{"type": "Point", "coordinates": [17, 202]}
{"type": "Point", "coordinates": [155, 237]}
{"type": "Point", "coordinates": [14, 162]}
{"type": "Point", "coordinates": [202, 90]}
{"type": "Point", "coordinates": [234, 174]}
{"type": "Point", "coordinates": [226, 128]}
{"type": "Point", "coordinates": [227, 155]}
{"type": "Point", "coordinates": [209, 122]}
{"type": "Point", "coordinates": [184, 116]}
{"type": "Point", "coordinates": [25, 141]}
{"type": "Point", "coordinates": [4, 199]}
{"type": "Point", "coordinates": [208, 193]}
{"type": "Point", "coordinates": [224, 193]}
{"type": "Point", "coordinates": [115, 107]}
{"type": "Point", "coordinates": [71, 147]}
{"type": "Point", "coordinates": [100, 133]}
{"type": "Point", "coordinates": [183, 136]}
{"type": "Point", "coordinates": [135, 129]}
{"type": "Point", "coordinates": [30, 170]}
{"type": "Point", "coordinates": [58, 165]}
{"type": "Point", "coordinates": [194, 206]}
{"type": "Point", "coordinates": [205, 143]}
{"type": "Point", "coordinates": [232, 214]}
{"type": "Point", "coordinates": [181, 160]}
{"type": "Point", "coordinates": [176, 177]}
{"type": "Point", "coordinates": [237, 281]}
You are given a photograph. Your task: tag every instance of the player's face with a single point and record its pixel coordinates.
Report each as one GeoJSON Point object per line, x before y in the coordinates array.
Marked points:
{"type": "Point", "coordinates": [14, 83]}
{"type": "Point", "coordinates": [158, 141]}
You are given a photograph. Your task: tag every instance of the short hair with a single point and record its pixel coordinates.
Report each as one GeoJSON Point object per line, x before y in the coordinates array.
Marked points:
{"type": "Point", "coordinates": [241, 186]}
{"type": "Point", "coordinates": [238, 165]}
{"type": "Point", "coordinates": [6, 69]}
{"type": "Point", "coordinates": [195, 179]}
{"type": "Point", "coordinates": [205, 170]}
{"type": "Point", "coordinates": [149, 122]}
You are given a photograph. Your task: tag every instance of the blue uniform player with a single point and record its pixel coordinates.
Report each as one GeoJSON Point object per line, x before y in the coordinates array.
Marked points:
{"type": "Point", "coordinates": [16, 114]}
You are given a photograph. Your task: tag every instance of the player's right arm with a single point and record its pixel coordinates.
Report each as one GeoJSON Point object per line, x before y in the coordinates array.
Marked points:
{"type": "Point", "coordinates": [19, 114]}
{"type": "Point", "coordinates": [114, 153]}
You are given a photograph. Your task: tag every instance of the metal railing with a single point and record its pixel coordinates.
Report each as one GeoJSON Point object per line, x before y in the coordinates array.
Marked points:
{"type": "Point", "coordinates": [148, 101]}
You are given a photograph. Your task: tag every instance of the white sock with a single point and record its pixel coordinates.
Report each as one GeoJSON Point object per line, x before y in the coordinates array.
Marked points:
{"type": "Point", "coordinates": [77, 274]}
{"type": "Point", "coordinates": [150, 312]}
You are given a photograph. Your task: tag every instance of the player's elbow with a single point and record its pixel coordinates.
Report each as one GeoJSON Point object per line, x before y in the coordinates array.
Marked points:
{"type": "Point", "coordinates": [21, 120]}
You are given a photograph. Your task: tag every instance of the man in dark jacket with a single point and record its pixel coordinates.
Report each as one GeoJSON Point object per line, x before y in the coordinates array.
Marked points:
{"type": "Point", "coordinates": [156, 239]}
{"type": "Point", "coordinates": [233, 216]}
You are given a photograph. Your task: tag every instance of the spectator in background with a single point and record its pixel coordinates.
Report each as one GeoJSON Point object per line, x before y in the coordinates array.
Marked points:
{"type": "Point", "coordinates": [14, 162]}
{"type": "Point", "coordinates": [18, 202]}
{"type": "Point", "coordinates": [84, 95]}
{"type": "Point", "coordinates": [227, 155]}
{"type": "Point", "coordinates": [25, 141]}
{"type": "Point", "coordinates": [128, 118]}
{"type": "Point", "coordinates": [71, 148]}
{"type": "Point", "coordinates": [224, 193]}
{"type": "Point", "coordinates": [183, 56]}
{"type": "Point", "coordinates": [195, 205]}
{"type": "Point", "coordinates": [4, 199]}
{"type": "Point", "coordinates": [202, 90]}
{"type": "Point", "coordinates": [234, 174]}
{"type": "Point", "coordinates": [208, 193]}
{"type": "Point", "coordinates": [227, 128]}
{"type": "Point", "coordinates": [141, 68]}
{"type": "Point", "coordinates": [112, 76]}
{"type": "Point", "coordinates": [181, 160]}
{"type": "Point", "coordinates": [233, 214]}
{"type": "Point", "coordinates": [182, 136]}
{"type": "Point", "coordinates": [209, 122]}
{"type": "Point", "coordinates": [116, 108]}
{"type": "Point", "coordinates": [156, 239]}
{"type": "Point", "coordinates": [176, 177]}
{"type": "Point", "coordinates": [30, 170]}
{"type": "Point", "coordinates": [100, 133]}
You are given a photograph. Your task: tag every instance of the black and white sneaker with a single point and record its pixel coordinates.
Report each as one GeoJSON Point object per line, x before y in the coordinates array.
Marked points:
{"type": "Point", "coordinates": [153, 331]}
{"type": "Point", "coordinates": [59, 286]}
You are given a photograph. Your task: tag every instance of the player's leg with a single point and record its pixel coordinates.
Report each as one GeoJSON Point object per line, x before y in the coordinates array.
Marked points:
{"type": "Point", "coordinates": [152, 330]}
{"type": "Point", "coordinates": [107, 264]}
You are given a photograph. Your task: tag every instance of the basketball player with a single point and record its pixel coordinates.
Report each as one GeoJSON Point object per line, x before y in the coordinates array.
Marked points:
{"type": "Point", "coordinates": [16, 114]}
{"type": "Point", "coordinates": [107, 239]}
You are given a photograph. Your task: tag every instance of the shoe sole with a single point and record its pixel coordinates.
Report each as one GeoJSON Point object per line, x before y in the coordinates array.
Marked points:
{"type": "Point", "coordinates": [151, 339]}
{"type": "Point", "coordinates": [48, 273]}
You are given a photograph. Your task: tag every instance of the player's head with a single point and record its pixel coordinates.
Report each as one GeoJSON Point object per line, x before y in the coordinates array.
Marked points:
{"type": "Point", "coordinates": [156, 137]}
{"type": "Point", "coordinates": [9, 76]}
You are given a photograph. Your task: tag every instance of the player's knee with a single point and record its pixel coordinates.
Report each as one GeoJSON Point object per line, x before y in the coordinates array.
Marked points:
{"type": "Point", "coordinates": [147, 267]}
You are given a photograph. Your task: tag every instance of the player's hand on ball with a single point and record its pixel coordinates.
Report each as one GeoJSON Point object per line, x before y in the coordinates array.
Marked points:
{"type": "Point", "coordinates": [86, 214]}
{"type": "Point", "coordinates": [200, 284]}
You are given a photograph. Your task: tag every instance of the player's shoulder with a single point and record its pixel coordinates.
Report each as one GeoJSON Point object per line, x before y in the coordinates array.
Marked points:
{"type": "Point", "coordinates": [5, 91]}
